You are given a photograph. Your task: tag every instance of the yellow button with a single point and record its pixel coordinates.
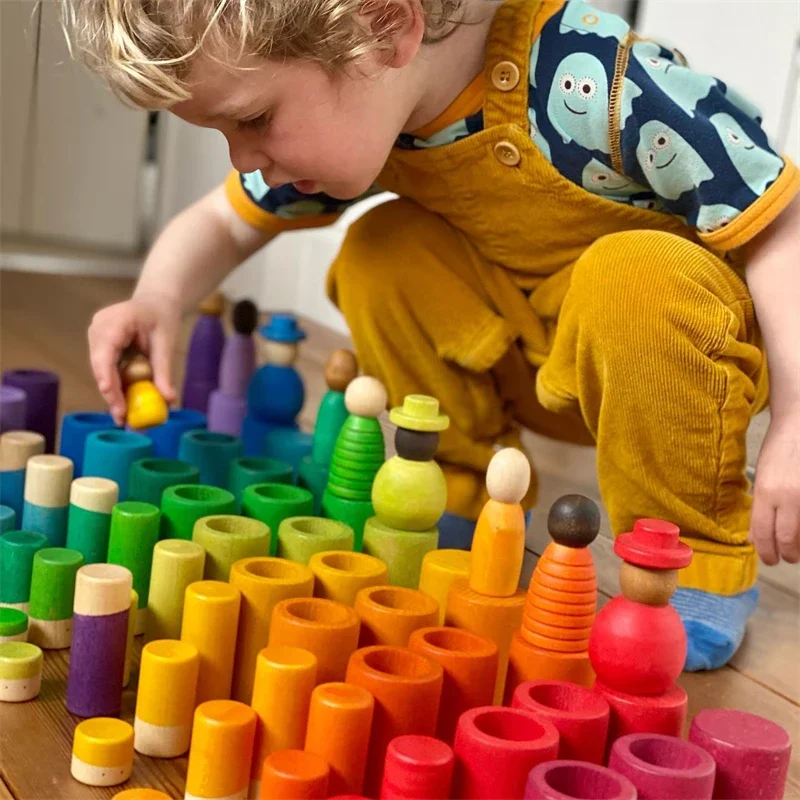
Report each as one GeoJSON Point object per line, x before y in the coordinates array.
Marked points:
{"type": "Point", "coordinates": [507, 154]}
{"type": "Point", "coordinates": [505, 76]}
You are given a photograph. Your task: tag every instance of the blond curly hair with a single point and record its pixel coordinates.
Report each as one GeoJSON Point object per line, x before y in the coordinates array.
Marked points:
{"type": "Point", "coordinates": [144, 48]}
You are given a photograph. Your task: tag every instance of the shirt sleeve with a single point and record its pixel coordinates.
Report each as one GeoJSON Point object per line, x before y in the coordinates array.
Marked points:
{"type": "Point", "coordinates": [284, 208]}
{"type": "Point", "coordinates": [699, 146]}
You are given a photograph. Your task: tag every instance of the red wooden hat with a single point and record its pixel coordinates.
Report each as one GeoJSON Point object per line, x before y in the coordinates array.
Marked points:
{"type": "Point", "coordinates": [653, 543]}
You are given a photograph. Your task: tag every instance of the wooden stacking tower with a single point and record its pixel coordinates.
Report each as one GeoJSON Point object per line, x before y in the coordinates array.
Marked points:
{"type": "Point", "coordinates": [553, 640]}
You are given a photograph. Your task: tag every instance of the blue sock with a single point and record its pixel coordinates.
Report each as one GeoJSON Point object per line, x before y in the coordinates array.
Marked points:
{"type": "Point", "coordinates": [714, 625]}
{"type": "Point", "coordinates": [456, 532]}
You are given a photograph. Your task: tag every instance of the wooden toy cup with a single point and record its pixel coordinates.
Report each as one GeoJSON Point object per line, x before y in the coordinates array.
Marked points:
{"type": "Point", "coordinates": [52, 595]}
{"type": "Point", "coordinates": [555, 780]}
{"type": "Point", "coordinates": [469, 662]}
{"type": "Point", "coordinates": [339, 726]}
{"type": "Point", "coordinates": [99, 640]}
{"type": "Point", "coordinates": [324, 627]}
{"type": "Point", "coordinates": [495, 618]}
{"type": "Point", "coordinates": [13, 625]}
{"type": "Point", "coordinates": [20, 671]}
{"type": "Point", "coordinates": [133, 536]}
{"type": "Point", "coordinates": [184, 504]}
{"type": "Point", "coordinates": [439, 569]}
{"type": "Point", "coordinates": [294, 775]}
{"type": "Point", "coordinates": [299, 538]}
{"type": "Point", "coordinates": [390, 614]}
{"type": "Point", "coordinates": [221, 753]}
{"type": "Point", "coordinates": [417, 767]}
{"type": "Point", "coordinates": [752, 753]}
{"type": "Point", "coordinates": [17, 551]}
{"type": "Point", "coordinates": [264, 582]}
{"type": "Point", "coordinates": [664, 766]}
{"type": "Point", "coordinates": [210, 620]}
{"type": "Point", "coordinates": [580, 715]}
{"type": "Point", "coordinates": [129, 641]}
{"type": "Point", "coordinates": [91, 501]}
{"type": "Point", "coordinates": [341, 576]}
{"type": "Point", "coordinates": [284, 679]}
{"type": "Point", "coordinates": [102, 752]}
{"type": "Point", "coordinates": [407, 688]}
{"type": "Point", "coordinates": [495, 750]}
{"type": "Point", "coordinates": [165, 698]}
{"type": "Point", "coordinates": [46, 506]}
{"type": "Point", "coordinates": [227, 539]}
{"type": "Point", "coordinates": [176, 564]}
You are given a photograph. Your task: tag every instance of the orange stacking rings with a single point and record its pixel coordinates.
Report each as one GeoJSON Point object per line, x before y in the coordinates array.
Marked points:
{"type": "Point", "coordinates": [390, 614]}
{"type": "Point", "coordinates": [469, 662]}
{"type": "Point", "coordinates": [325, 628]}
{"type": "Point", "coordinates": [407, 688]}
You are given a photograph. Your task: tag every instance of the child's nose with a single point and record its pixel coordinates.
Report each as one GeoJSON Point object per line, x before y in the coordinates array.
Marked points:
{"type": "Point", "coordinates": [247, 158]}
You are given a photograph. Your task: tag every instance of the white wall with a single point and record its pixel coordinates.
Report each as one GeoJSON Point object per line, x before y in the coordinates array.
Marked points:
{"type": "Point", "coordinates": [71, 152]}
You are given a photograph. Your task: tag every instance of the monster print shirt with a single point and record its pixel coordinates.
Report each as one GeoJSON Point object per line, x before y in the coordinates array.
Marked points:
{"type": "Point", "coordinates": [680, 142]}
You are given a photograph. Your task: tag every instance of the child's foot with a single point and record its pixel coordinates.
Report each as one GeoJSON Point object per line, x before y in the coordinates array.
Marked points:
{"type": "Point", "coordinates": [714, 625]}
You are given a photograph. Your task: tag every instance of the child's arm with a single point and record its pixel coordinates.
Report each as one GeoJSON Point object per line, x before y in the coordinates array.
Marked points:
{"type": "Point", "coordinates": [773, 274]}
{"type": "Point", "coordinates": [191, 256]}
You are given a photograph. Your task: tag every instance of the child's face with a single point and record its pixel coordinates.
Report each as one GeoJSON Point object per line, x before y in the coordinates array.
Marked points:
{"type": "Point", "coordinates": [297, 124]}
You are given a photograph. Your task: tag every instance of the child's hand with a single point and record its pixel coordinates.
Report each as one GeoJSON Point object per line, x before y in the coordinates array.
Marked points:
{"type": "Point", "coordinates": [775, 523]}
{"type": "Point", "coordinates": [148, 321]}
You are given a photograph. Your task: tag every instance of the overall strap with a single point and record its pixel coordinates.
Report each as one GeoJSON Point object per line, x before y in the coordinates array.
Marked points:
{"type": "Point", "coordinates": [515, 26]}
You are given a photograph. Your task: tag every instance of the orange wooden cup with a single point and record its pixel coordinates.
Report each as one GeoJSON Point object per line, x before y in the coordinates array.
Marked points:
{"type": "Point", "coordinates": [390, 614]}
{"type": "Point", "coordinates": [294, 775]}
{"type": "Point", "coordinates": [469, 662]}
{"type": "Point", "coordinates": [325, 628]}
{"type": "Point", "coordinates": [339, 726]}
{"type": "Point", "coordinates": [407, 688]}
{"type": "Point", "coordinates": [222, 749]}
{"type": "Point", "coordinates": [496, 618]}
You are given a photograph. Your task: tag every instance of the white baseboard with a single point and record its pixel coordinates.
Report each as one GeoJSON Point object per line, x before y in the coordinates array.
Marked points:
{"type": "Point", "coordinates": [55, 263]}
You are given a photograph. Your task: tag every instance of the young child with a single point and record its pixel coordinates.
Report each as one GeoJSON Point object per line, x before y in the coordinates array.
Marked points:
{"type": "Point", "coordinates": [586, 234]}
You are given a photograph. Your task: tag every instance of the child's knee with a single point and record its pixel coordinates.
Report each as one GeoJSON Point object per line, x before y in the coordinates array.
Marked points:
{"type": "Point", "coordinates": [636, 289]}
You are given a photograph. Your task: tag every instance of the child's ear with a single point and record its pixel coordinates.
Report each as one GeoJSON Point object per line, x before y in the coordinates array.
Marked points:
{"type": "Point", "coordinates": [399, 23]}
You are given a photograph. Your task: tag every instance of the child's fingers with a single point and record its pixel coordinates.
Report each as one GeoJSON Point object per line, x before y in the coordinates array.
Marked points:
{"type": "Point", "coordinates": [110, 387]}
{"type": "Point", "coordinates": [104, 366]}
{"type": "Point", "coordinates": [162, 342]}
{"type": "Point", "coordinates": [762, 530]}
{"type": "Point", "coordinates": [787, 533]}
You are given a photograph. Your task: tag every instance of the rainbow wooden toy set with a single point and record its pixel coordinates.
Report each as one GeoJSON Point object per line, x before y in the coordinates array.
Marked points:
{"type": "Point", "coordinates": [279, 602]}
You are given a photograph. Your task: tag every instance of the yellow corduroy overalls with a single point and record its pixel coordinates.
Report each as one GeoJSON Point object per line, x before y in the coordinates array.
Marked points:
{"type": "Point", "coordinates": [517, 297]}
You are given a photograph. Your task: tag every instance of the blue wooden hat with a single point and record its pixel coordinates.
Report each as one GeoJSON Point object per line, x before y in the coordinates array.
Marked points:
{"type": "Point", "coordinates": [282, 328]}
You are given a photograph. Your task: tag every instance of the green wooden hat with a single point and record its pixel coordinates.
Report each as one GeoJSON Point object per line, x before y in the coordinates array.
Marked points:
{"type": "Point", "coordinates": [420, 413]}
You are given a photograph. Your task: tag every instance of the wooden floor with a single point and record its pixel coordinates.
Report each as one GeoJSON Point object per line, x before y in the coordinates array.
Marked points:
{"type": "Point", "coordinates": [43, 320]}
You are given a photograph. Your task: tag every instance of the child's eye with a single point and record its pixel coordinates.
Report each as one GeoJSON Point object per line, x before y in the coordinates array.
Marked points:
{"type": "Point", "coordinates": [255, 124]}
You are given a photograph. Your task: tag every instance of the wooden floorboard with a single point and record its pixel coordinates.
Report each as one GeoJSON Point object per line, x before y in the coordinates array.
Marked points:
{"type": "Point", "coordinates": [43, 323]}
